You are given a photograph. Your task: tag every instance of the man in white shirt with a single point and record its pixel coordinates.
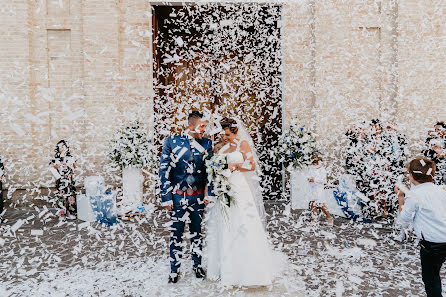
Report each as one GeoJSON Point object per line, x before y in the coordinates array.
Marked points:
{"type": "Point", "coordinates": [425, 207]}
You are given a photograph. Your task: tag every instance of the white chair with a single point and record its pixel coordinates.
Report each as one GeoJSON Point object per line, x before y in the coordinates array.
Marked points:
{"type": "Point", "coordinates": [94, 186]}
{"type": "Point", "coordinates": [84, 211]}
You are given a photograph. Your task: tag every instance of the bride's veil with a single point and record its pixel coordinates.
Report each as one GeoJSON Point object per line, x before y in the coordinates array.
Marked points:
{"type": "Point", "coordinates": [253, 176]}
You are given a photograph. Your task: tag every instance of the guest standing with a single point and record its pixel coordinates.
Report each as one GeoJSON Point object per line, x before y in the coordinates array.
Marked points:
{"type": "Point", "coordinates": [438, 146]}
{"type": "Point", "coordinates": [425, 207]}
{"type": "Point", "coordinates": [439, 134]}
{"type": "Point", "coordinates": [354, 161]}
{"type": "Point", "coordinates": [64, 165]}
{"type": "Point", "coordinates": [394, 152]}
{"type": "Point", "coordinates": [377, 171]}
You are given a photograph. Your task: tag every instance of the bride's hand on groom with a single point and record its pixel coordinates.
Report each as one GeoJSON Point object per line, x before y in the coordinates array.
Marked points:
{"type": "Point", "coordinates": [233, 166]}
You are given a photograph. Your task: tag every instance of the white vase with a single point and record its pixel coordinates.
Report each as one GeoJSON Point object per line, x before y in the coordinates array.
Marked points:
{"type": "Point", "coordinates": [132, 188]}
{"type": "Point", "coordinates": [299, 189]}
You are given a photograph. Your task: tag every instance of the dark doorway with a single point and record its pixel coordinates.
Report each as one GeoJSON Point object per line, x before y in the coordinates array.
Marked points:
{"type": "Point", "coordinates": [226, 60]}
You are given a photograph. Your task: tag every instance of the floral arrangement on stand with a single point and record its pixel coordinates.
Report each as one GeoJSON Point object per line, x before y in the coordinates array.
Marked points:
{"type": "Point", "coordinates": [132, 151]}
{"type": "Point", "coordinates": [296, 147]}
{"type": "Point", "coordinates": [132, 147]}
{"type": "Point", "coordinates": [217, 168]}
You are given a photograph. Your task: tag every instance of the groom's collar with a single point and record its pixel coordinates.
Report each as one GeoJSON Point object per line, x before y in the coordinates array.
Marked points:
{"type": "Point", "coordinates": [193, 142]}
{"type": "Point", "coordinates": [186, 134]}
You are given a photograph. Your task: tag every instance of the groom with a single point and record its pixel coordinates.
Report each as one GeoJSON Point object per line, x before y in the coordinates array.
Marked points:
{"type": "Point", "coordinates": [184, 189]}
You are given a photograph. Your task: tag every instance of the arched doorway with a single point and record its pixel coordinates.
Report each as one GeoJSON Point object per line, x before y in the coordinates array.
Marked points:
{"type": "Point", "coordinates": [226, 60]}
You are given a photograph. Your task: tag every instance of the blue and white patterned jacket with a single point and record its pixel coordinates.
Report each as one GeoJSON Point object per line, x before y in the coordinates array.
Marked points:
{"type": "Point", "coordinates": [182, 166]}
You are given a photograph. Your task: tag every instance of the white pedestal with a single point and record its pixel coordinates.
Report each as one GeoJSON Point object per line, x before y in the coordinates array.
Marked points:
{"type": "Point", "coordinates": [132, 188]}
{"type": "Point", "coordinates": [299, 189]}
{"type": "Point", "coordinates": [84, 211]}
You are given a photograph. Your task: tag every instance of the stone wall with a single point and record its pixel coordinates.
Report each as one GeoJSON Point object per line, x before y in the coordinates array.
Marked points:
{"type": "Point", "coordinates": [70, 70]}
{"type": "Point", "coordinates": [347, 61]}
{"type": "Point", "coordinates": [76, 70]}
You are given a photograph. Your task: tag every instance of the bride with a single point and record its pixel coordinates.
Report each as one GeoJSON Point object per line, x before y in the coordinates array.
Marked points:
{"type": "Point", "coordinates": [237, 251]}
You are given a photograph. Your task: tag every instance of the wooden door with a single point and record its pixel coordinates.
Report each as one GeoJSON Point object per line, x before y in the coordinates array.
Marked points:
{"type": "Point", "coordinates": [214, 58]}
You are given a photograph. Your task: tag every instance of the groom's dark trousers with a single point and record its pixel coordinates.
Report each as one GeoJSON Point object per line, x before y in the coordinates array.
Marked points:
{"type": "Point", "coordinates": [183, 179]}
{"type": "Point", "coordinates": [187, 210]}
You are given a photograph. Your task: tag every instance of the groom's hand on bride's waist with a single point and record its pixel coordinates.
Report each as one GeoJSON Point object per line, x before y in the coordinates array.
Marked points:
{"type": "Point", "coordinates": [167, 205]}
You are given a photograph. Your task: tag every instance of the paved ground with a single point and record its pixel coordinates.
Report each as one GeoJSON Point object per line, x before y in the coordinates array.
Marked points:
{"type": "Point", "coordinates": [44, 256]}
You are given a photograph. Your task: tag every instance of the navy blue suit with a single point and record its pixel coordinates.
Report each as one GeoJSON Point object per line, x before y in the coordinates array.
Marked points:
{"type": "Point", "coordinates": [183, 168]}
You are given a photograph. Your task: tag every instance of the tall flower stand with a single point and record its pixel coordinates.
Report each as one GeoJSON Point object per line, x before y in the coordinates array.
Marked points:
{"type": "Point", "coordinates": [299, 189]}
{"type": "Point", "coordinates": [132, 190]}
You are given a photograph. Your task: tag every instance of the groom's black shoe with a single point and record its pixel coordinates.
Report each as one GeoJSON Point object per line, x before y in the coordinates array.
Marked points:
{"type": "Point", "coordinates": [199, 272]}
{"type": "Point", "coordinates": [173, 278]}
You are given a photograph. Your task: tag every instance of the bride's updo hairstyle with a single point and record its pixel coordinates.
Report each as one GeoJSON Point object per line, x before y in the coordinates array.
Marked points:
{"type": "Point", "coordinates": [231, 124]}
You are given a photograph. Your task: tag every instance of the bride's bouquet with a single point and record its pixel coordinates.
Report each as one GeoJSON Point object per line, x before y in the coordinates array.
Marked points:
{"type": "Point", "coordinates": [217, 168]}
{"type": "Point", "coordinates": [296, 147]}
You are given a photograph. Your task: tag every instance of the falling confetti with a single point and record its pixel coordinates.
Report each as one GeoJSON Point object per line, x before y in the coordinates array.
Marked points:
{"type": "Point", "coordinates": [365, 78]}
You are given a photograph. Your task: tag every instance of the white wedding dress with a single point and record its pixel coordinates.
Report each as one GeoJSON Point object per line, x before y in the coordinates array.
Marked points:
{"type": "Point", "coordinates": [237, 251]}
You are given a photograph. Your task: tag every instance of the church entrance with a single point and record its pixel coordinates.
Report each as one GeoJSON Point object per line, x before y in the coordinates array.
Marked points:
{"type": "Point", "coordinates": [224, 60]}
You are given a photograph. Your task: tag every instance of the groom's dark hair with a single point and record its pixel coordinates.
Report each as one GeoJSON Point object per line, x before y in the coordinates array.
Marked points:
{"type": "Point", "coordinates": [194, 115]}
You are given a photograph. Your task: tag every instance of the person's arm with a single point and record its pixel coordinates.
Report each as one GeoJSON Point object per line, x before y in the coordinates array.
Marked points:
{"type": "Point", "coordinates": [55, 163]}
{"type": "Point", "coordinates": [209, 189]}
{"type": "Point", "coordinates": [320, 177]}
{"type": "Point", "coordinates": [400, 195]}
{"type": "Point", "coordinates": [2, 170]}
{"type": "Point", "coordinates": [54, 168]}
{"type": "Point", "coordinates": [71, 162]}
{"type": "Point", "coordinates": [249, 164]}
{"type": "Point", "coordinates": [309, 174]}
{"type": "Point", "coordinates": [408, 207]}
{"type": "Point", "coordinates": [164, 174]}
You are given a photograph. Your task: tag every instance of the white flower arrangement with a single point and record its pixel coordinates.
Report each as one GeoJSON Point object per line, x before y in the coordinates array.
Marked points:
{"type": "Point", "coordinates": [218, 173]}
{"type": "Point", "coordinates": [131, 147]}
{"type": "Point", "coordinates": [296, 147]}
